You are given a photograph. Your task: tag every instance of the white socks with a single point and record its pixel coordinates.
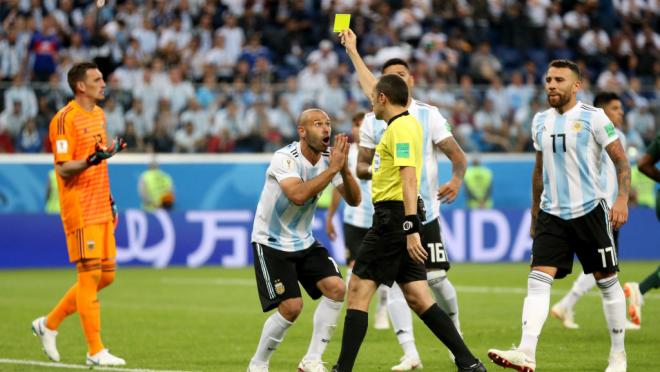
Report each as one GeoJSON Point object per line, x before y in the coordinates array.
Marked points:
{"type": "Point", "coordinates": [325, 321]}
{"type": "Point", "coordinates": [401, 317]}
{"type": "Point", "coordinates": [614, 305]}
{"type": "Point", "coordinates": [581, 286]}
{"type": "Point", "coordinates": [272, 334]}
{"type": "Point", "coordinates": [382, 293]}
{"type": "Point", "coordinates": [535, 310]}
{"type": "Point", "coordinates": [445, 295]}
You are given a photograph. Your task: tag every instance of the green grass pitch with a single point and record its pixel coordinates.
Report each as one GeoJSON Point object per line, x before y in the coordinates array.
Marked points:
{"type": "Point", "coordinates": [209, 319]}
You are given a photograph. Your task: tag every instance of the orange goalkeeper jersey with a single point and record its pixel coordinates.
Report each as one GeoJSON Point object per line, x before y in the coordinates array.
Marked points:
{"type": "Point", "coordinates": [85, 197]}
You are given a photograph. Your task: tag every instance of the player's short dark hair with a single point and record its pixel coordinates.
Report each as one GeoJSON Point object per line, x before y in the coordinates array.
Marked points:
{"type": "Point", "coordinates": [394, 62]}
{"type": "Point", "coordinates": [358, 117]}
{"type": "Point", "coordinates": [565, 63]}
{"type": "Point", "coordinates": [394, 88]}
{"type": "Point", "coordinates": [603, 98]}
{"type": "Point", "coordinates": [78, 73]}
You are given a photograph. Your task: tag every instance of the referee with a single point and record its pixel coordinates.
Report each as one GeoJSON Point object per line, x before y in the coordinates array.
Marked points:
{"type": "Point", "coordinates": [382, 259]}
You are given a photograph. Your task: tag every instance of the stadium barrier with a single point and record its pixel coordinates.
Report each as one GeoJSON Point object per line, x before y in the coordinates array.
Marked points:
{"type": "Point", "coordinates": [220, 182]}
{"type": "Point", "coordinates": [222, 237]}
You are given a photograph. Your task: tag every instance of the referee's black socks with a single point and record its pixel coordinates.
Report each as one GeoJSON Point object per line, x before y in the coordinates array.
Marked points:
{"type": "Point", "coordinates": [355, 328]}
{"type": "Point", "coordinates": [442, 327]}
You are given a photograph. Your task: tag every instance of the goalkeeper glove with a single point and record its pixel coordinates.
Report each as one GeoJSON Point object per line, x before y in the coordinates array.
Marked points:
{"type": "Point", "coordinates": [102, 153]}
{"type": "Point", "coordinates": [115, 212]}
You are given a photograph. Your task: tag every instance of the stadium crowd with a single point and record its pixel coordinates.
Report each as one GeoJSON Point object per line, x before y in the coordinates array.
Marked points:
{"type": "Point", "coordinates": [232, 75]}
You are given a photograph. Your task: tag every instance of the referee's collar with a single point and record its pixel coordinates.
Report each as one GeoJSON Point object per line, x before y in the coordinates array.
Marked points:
{"type": "Point", "coordinates": [397, 116]}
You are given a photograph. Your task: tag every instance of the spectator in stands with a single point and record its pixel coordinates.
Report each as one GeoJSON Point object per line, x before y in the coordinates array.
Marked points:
{"type": "Point", "coordinates": [179, 92]}
{"type": "Point", "coordinates": [484, 65]}
{"type": "Point", "coordinates": [595, 45]}
{"type": "Point", "coordinates": [146, 36]}
{"type": "Point", "coordinates": [12, 119]}
{"type": "Point", "coordinates": [612, 79]}
{"type": "Point", "coordinates": [77, 51]}
{"type": "Point", "coordinates": [441, 97]}
{"type": "Point", "coordinates": [254, 49]}
{"type": "Point", "coordinates": [29, 139]}
{"type": "Point", "coordinates": [234, 36]}
{"type": "Point", "coordinates": [325, 57]}
{"type": "Point", "coordinates": [138, 117]}
{"type": "Point", "coordinates": [495, 133]}
{"type": "Point", "coordinates": [133, 140]}
{"type": "Point", "coordinates": [220, 58]}
{"type": "Point", "coordinates": [522, 124]}
{"type": "Point", "coordinates": [114, 116]}
{"type": "Point", "coordinates": [196, 115]}
{"type": "Point", "coordinates": [518, 94]}
{"type": "Point", "coordinates": [22, 92]}
{"type": "Point", "coordinates": [44, 49]}
{"type": "Point", "coordinates": [12, 56]}
{"type": "Point", "coordinates": [208, 92]}
{"type": "Point", "coordinates": [642, 121]}
{"type": "Point", "coordinates": [497, 94]}
{"type": "Point", "coordinates": [311, 81]}
{"type": "Point", "coordinates": [333, 98]}
{"type": "Point", "coordinates": [283, 118]}
{"type": "Point", "coordinates": [227, 121]}
{"type": "Point", "coordinates": [159, 140]}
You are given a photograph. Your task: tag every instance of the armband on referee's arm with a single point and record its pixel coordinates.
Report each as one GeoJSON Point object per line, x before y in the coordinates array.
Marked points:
{"type": "Point", "coordinates": [411, 224]}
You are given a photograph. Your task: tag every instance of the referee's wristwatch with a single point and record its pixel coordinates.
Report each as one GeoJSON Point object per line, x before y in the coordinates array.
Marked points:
{"type": "Point", "coordinates": [411, 224]}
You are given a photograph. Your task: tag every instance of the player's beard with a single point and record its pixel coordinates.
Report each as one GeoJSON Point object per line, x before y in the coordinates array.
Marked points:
{"type": "Point", "coordinates": [561, 99]}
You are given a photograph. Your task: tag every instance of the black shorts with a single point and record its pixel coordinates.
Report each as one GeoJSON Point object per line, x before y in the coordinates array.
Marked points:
{"type": "Point", "coordinates": [278, 272]}
{"type": "Point", "coordinates": [435, 248]}
{"type": "Point", "coordinates": [353, 237]}
{"type": "Point", "coordinates": [589, 237]}
{"type": "Point", "coordinates": [383, 256]}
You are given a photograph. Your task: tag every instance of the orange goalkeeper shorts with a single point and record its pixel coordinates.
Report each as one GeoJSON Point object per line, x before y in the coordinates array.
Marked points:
{"type": "Point", "coordinates": [94, 241]}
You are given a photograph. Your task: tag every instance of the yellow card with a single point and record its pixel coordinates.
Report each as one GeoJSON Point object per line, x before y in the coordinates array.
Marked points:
{"type": "Point", "coordinates": [342, 22]}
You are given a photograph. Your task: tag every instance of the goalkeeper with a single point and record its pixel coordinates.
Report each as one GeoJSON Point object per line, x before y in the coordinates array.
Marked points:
{"type": "Point", "coordinates": [78, 135]}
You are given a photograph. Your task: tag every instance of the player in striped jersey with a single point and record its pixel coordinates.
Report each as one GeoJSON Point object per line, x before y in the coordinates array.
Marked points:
{"type": "Point", "coordinates": [284, 250]}
{"type": "Point", "coordinates": [78, 135]}
{"type": "Point", "coordinates": [436, 136]}
{"type": "Point", "coordinates": [563, 310]}
{"type": "Point", "coordinates": [570, 215]}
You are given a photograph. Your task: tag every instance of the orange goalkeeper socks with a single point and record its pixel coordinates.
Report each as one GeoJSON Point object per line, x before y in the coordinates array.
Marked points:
{"type": "Point", "coordinates": [89, 277]}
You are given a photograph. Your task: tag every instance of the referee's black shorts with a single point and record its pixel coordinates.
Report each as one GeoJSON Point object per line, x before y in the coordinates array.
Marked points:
{"type": "Point", "coordinates": [589, 237]}
{"type": "Point", "coordinates": [383, 256]}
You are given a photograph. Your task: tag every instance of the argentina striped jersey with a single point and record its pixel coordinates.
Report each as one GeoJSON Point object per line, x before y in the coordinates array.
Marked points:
{"type": "Point", "coordinates": [278, 222]}
{"type": "Point", "coordinates": [435, 128]}
{"type": "Point", "coordinates": [572, 144]}
{"type": "Point", "coordinates": [360, 216]}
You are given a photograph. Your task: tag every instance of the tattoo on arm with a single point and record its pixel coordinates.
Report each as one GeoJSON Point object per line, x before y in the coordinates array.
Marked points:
{"type": "Point", "coordinates": [618, 156]}
{"type": "Point", "coordinates": [455, 154]}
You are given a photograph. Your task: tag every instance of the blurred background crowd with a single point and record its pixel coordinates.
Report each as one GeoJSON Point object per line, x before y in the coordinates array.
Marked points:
{"type": "Point", "coordinates": [198, 76]}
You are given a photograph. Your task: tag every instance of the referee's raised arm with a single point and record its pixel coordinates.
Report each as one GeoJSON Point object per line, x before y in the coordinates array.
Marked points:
{"type": "Point", "coordinates": [367, 80]}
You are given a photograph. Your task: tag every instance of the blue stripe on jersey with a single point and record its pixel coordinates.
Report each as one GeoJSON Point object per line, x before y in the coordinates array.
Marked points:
{"type": "Point", "coordinates": [367, 217]}
{"type": "Point", "coordinates": [540, 120]}
{"type": "Point", "coordinates": [424, 188]}
{"type": "Point", "coordinates": [298, 243]}
{"type": "Point", "coordinates": [274, 228]}
{"type": "Point", "coordinates": [582, 143]}
{"type": "Point", "coordinates": [561, 176]}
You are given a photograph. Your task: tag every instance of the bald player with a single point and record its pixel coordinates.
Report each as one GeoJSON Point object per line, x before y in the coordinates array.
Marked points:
{"type": "Point", "coordinates": [285, 251]}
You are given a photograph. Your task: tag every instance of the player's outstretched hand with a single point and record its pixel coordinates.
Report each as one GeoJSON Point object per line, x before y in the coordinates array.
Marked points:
{"type": "Point", "coordinates": [102, 152]}
{"type": "Point", "coordinates": [448, 192]}
{"type": "Point", "coordinates": [619, 213]}
{"type": "Point", "coordinates": [348, 39]}
{"type": "Point", "coordinates": [415, 249]}
{"type": "Point", "coordinates": [339, 152]}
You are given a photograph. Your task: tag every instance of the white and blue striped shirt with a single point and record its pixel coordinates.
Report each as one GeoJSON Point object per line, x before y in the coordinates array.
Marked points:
{"type": "Point", "coordinates": [572, 144]}
{"type": "Point", "coordinates": [278, 222]}
{"type": "Point", "coordinates": [362, 215]}
{"type": "Point", "coordinates": [435, 128]}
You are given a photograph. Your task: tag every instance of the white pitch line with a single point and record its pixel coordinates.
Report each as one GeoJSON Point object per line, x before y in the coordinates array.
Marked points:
{"type": "Point", "coordinates": [79, 366]}
{"type": "Point", "coordinates": [459, 288]}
